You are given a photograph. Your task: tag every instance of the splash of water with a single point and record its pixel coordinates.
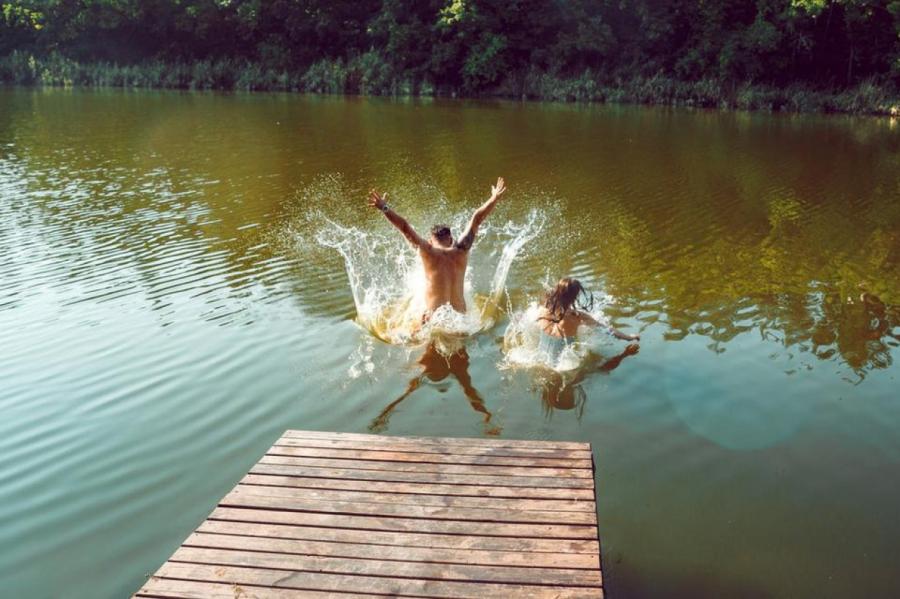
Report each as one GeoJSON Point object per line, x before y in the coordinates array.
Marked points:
{"type": "Point", "coordinates": [522, 347]}
{"type": "Point", "coordinates": [387, 279]}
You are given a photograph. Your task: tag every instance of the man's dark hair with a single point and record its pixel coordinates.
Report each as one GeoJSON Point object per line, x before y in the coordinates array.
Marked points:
{"type": "Point", "coordinates": [440, 231]}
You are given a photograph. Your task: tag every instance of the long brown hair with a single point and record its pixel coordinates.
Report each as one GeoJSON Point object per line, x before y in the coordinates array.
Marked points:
{"type": "Point", "coordinates": [569, 293]}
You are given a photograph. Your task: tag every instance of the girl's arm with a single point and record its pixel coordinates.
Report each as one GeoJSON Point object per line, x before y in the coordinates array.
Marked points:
{"type": "Point", "coordinates": [589, 320]}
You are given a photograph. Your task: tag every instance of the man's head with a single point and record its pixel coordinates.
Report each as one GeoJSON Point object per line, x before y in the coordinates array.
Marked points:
{"type": "Point", "coordinates": [441, 236]}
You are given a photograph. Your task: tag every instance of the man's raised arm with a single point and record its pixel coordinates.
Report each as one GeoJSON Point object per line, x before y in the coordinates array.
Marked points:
{"type": "Point", "coordinates": [379, 201]}
{"type": "Point", "coordinates": [468, 237]}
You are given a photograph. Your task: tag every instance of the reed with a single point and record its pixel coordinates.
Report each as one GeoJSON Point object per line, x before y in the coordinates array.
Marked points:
{"type": "Point", "coordinates": [371, 74]}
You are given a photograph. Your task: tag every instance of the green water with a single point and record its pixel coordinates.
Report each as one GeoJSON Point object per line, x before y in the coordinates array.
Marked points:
{"type": "Point", "coordinates": [165, 313]}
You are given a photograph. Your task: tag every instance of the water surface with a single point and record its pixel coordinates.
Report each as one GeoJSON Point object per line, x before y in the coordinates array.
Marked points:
{"type": "Point", "coordinates": [166, 312]}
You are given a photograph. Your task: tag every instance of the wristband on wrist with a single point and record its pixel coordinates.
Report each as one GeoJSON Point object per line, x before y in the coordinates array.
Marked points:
{"type": "Point", "coordinates": [385, 208]}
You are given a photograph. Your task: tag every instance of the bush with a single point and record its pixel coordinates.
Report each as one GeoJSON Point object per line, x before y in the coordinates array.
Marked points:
{"type": "Point", "coordinates": [371, 73]}
{"type": "Point", "coordinates": [326, 77]}
{"type": "Point", "coordinates": [867, 97]}
{"type": "Point", "coordinates": [177, 76]}
{"type": "Point", "coordinates": [252, 77]}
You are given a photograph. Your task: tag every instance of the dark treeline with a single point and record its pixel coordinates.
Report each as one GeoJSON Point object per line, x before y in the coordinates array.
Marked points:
{"type": "Point", "coordinates": [776, 54]}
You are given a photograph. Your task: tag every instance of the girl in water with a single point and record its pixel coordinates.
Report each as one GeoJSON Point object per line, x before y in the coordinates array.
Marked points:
{"type": "Point", "coordinates": [563, 311]}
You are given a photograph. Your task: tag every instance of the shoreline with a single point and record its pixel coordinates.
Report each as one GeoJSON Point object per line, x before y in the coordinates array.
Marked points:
{"type": "Point", "coordinates": [866, 98]}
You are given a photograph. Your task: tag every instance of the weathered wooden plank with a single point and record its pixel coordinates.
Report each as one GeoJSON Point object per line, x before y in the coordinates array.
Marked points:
{"type": "Point", "coordinates": [189, 589]}
{"type": "Point", "coordinates": [451, 527]}
{"type": "Point", "coordinates": [376, 444]}
{"type": "Point", "coordinates": [265, 466]}
{"type": "Point", "coordinates": [282, 498]}
{"type": "Point", "coordinates": [353, 455]}
{"type": "Point", "coordinates": [367, 567]}
{"type": "Point", "coordinates": [224, 521]}
{"type": "Point", "coordinates": [256, 497]}
{"type": "Point", "coordinates": [582, 496]}
{"type": "Point", "coordinates": [364, 494]}
{"type": "Point", "coordinates": [447, 441]}
{"type": "Point", "coordinates": [399, 587]}
{"type": "Point", "coordinates": [352, 515]}
{"type": "Point", "coordinates": [479, 469]}
{"type": "Point", "coordinates": [394, 553]}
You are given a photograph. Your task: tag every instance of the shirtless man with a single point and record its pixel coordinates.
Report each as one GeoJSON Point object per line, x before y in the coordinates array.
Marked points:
{"type": "Point", "coordinates": [444, 259]}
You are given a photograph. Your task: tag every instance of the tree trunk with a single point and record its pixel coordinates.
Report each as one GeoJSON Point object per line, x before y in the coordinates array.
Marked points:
{"type": "Point", "coordinates": [850, 65]}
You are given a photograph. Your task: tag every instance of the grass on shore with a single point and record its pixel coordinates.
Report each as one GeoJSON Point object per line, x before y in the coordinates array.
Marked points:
{"type": "Point", "coordinates": [370, 74]}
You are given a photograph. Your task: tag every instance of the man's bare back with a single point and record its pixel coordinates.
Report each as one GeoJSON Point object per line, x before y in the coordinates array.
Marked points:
{"type": "Point", "coordinates": [444, 259]}
{"type": "Point", "coordinates": [445, 273]}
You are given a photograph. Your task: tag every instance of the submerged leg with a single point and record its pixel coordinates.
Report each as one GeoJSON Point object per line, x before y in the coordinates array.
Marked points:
{"type": "Point", "coordinates": [380, 423]}
{"type": "Point", "coordinates": [474, 398]}
{"type": "Point", "coordinates": [460, 370]}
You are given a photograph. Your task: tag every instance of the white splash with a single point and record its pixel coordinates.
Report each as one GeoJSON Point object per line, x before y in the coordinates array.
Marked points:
{"type": "Point", "coordinates": [387, 279]}
{"type": "Point", "coordinates": [522, 340]}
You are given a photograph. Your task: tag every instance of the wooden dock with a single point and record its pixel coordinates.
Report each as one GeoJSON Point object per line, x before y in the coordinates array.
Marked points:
{"type": "Point", "coordinates": [347, 515]}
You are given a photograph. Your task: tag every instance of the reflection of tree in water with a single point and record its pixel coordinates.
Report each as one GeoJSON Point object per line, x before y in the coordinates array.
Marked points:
{"type": "Point", "coordinates": [709, 223]}
{"type": "Point", "coordinates": [797, 250]}
{"type": "Point", "coordinates": [437, 362]}
{"type": "Point", "coordinates": [128, 200]}
{"type": "Point", "coordinates": [859, 331]}
{"type": "Point", "coordinates": [563, 391]}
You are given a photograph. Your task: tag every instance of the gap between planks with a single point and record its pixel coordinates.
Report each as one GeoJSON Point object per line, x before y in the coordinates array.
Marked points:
{"type": "Point", "coordinates": [387, 569]}
{"type": "Point", "coordinates": [265, 466]}
{"type": "Point", "coordinates": [532, 508]}
{"type": "Point", "coordinates": [584, 567]}
{"type": "Point", "coordinates": [405, 497]}
{"type": "Point", "coordinates": [271, 498]}
{"type": "Point", "coordinates": [429, 467]}
{"type": "Point", "coordinates": [415, 457]}
{"type": "Point", "coordinates": [318, 582]}
{"type": "Point", "coordinates": [377, 444]}
{"type": "Point", "coordinates": [439, 441]}
{"type": "Point", "coordinates": [270, 477]}
{"type": "Point", "coordinates": [375, 523]}
{"type": "Point", "coordinates": [229, 539]}
{"type": "Point", "coordinates": [226, 520]}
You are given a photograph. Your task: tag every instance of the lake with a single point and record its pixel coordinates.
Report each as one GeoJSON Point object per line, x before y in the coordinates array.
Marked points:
{"type": "Point", "coordinates": [169, 304]}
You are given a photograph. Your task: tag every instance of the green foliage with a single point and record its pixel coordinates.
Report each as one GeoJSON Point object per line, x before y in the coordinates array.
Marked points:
{"type": "Point", "coordinates": [769, 54]}
{"type": "Point", "coordinates": [371, 74]}
{"type": "Point", "coordinates": [484, 64]}
{"type": "Point", "coordinates": [452, 13]}
{"type": "Point", "coordinates": [326, 77]}
{"type": "Point", "coordinates": [19, 68]}
{"type": "Point", "coordinates": [813, 7]}
{"type": "Point", "coordinates": [16, 16]}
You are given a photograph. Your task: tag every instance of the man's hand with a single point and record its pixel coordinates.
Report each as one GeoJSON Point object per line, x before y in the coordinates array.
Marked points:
{"type": "Point", "coordinates": [468, 237]}
{"type": "Point", "coordinates": [376, 200]}
{"type": "Point", "coordinates": [498, 189]}
{"type": "Point", "coordinates": [379, 201]}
